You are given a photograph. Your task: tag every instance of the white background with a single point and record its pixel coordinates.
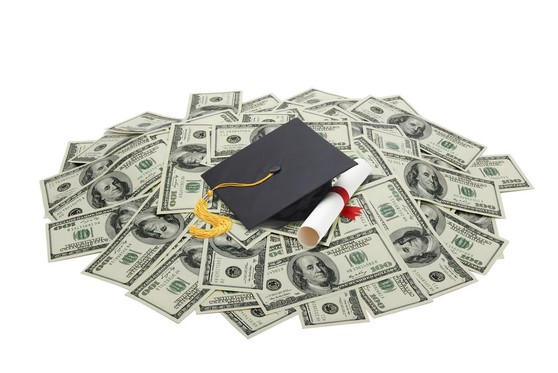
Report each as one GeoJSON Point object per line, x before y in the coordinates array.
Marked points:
{"type": "Point", "coordinates": [485, 69]}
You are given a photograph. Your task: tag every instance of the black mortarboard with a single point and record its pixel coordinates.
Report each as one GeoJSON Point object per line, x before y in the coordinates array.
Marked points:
{"type": "Point", "coordinates": [306, 162]}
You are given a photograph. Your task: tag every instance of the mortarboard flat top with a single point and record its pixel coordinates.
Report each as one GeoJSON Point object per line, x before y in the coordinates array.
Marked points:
{"type": "Point", "coordinates": [307, 162]}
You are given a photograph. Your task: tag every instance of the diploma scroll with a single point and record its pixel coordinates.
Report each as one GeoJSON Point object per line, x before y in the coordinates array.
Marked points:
{"type": "Point", "coordinates": [323, 216]}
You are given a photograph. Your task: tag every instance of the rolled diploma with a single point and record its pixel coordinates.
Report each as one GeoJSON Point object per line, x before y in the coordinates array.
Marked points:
{"type": "Point", "coordinates": [322, 217]}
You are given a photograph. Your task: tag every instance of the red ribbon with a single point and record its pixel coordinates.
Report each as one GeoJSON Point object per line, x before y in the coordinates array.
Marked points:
{"type": "Point", "coordinates": [350, 212]}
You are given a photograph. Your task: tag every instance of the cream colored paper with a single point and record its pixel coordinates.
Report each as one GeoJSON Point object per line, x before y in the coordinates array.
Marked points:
{"type": "Point", "coordinates": [323, 216]}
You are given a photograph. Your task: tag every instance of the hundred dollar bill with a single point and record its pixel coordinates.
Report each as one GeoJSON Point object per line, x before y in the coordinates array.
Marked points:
{"type": "Point", "coordinates": [171, 288]}
{"type": "Point", "coordinates": [106, 145]}
{"type": "Point", "coordinates": [438, 161]}
{"type": "Point", "coordinates": [130, 176]}
{"type": "Point", "coordinates": [227, 139]}
{"type": "Point", "coordinates": [346, 104]}
{"type": "Point", "coordinates": [340, 114]}
{"type": "Point", "coordinates": [230, 138]}
{"type": "Point", "coordinates": [366, 150]}
{"type": "Point", "coordinates": [393, 294]}
{"type": "Point", "coordinates": [345, 227]}
{"type": "Point", "coordinates": [290, 229]}
{"type": "Point", "coordinates": [282, 246]}
{"type": "Point", "coordinates": [181, 183]}
{"type": "Point", "coordinates": [254, 321]}
{"type": "Point", "coordinates": [475, 248]}
{"type": "Point", "coordinates": [453, 148]}
{"type": "Point", "coordinates": [416, 242]}
{"type": "Point", "coordinates": [229, 266]}
{"type": "Point", "coordinates": [275, 246]}
{"type": "Point", "coordinates": [314, 96]}
{"type": "Point", "coordinates": [283, 105]}
{"type": "Point", "coordinates": [324, 106]}
{"type": "Point", "coordinates": [480, 221]}
{"type": "Point", "coordinates": [226, 116]}
{"type": "Point", "coordinates": [263, 103]}
{"type": "Point", "coordinates": [269, 117]}
{"type": "Point", "coordinates": [248, 238]}
{"type": "Point", "coordinates": [314, 274]}
{"type": "Point", "coordinates": [143, 123]}
{"type": "Point", "coordinates": [340, 308]}
{"type": "Point", "coordinates": [308, 116]}
{"type": "Point", "coordinates": [138, 245]}
{"type": "Point", "coordinates": [395, 143]}
{"type": "Point", "coordinates": [399, 102]}
{"type": "Point", "coordinates": [358, 128]}
{"type": "Point", "coordinates": [89, 233]}
{"type": "Point", "coordinates": [56, 188]}
{"type": "Point", "coordinates": [221, 300]}
{"type": "Point", "coordinates": [72, 149]}
{"type": "Point", "coordinates": [453, 189]}
{"type": "Point", "coordinates": [206, 103]}
{"type": "Point", "coordinates": [503, 169]}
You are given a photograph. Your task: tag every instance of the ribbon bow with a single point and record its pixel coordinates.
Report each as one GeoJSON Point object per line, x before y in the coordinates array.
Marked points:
{"type": "Point", "coordinates": [350, 212]}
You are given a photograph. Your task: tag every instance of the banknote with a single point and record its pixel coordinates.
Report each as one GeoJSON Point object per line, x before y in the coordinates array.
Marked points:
{"type": "Point", "coordinates": [266, 102]}
{"type": "Point", "coordinates": [393, 294]}
{"type": "Point", "coordinates": [181, 183]}
{"type": "Point", "coordinates": [341, 114]}
{"type": "Point", "coordinates": [324, 106]}
{"type": "Point", "coordinates": [310, 275]}
{"type": "Point", "coordinates": [345, 227]}
{"type": "Point", "coordinates": [313, 96]}
{"type": "Point", "coordinates": [400, 102]}
{"type": "Point", "coordinates": [89, 233]}
{"type": "Point", "coordinates": [131, 175]}
{"type": "Point", "coordinates": [227, 265]}
{"type": "Point", "coordinates": [254, 321]}
{"type": "Point", "coordinates": [102, 147]}
{"type": "Point", "coordinates": [72, 149]}
{"type": "Point", "coordinates": [267, 117]}
{"type": "Point", "coordinates": [56, 188]}
{"type": "Point", "coordinates": [339, 308]}
{"type": "Point", "coordinates": [474, 247]}
{"type": "Point", "coordinates": [230, 138]}
{"type": "Point", "coordinates": [483, 222]}
{"type": "Point", "coordinates": [358, 128]}
{"type": "Point", "coordinates": [274, 246]}
{"type": "Point", "coordinates": [453, 189]}
{"type": "Point", "coordinates": [338, 134]}
{"type": "Point", "coordinates": [206, 103]}
{"type": "Point", "coordinates": [392, 142]}
{"type": "Point", "coordinates": [439, 161]}
{"type": "Point", "coordinates": [171, 288]}
{"type": "Point", "coordinates": [282, 246]}
{"type": "Point", "coordinates": [138, 245]}
{"type": "Point", "coordinates": [290, 229]}
{"type": "Point", "coordinates": [416, 242]}
{"type": "Point", "coordinates": [451, 147]}
{"type": "Point", "coordinates": [366, 150]}
{"type": "Point", "coordinates": [248, 238]}
{"type": "Point", "coordinates": [227, 116]}
{"type": "Point", "coordinates": [226, 300]}
{"type": "Point", "coordinates": [503, 169]}
{"type": "Point", "coordinates": [309, 116]}
{"type": "Point", "coordinates": [288, 105]}
{"type": "Point", "coordinates": [143, 123]}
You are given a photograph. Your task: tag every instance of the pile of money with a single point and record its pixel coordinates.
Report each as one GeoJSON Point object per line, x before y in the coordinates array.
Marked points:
{"type": "Point", "coordinates": [428, 222]}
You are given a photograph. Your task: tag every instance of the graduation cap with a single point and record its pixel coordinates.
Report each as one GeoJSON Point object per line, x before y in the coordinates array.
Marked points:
{"type": "Point", "coordinates": [282, 175]}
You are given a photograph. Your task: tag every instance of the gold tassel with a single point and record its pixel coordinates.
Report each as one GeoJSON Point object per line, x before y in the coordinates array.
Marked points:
{"type": "Point", "coordinates": [220, 224]}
